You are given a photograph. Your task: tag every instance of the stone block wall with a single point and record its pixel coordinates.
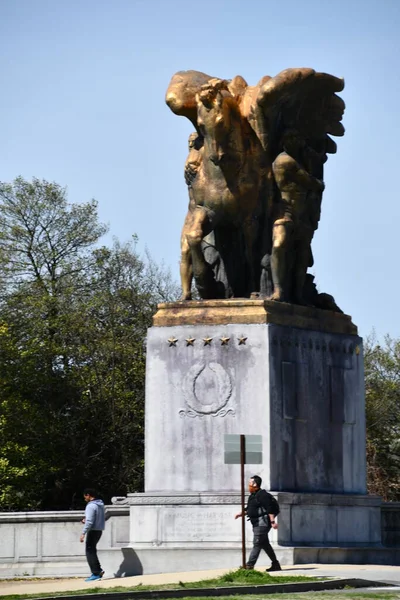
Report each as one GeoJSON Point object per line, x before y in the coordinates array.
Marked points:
{"type": "Point", "coordinates": [47, 543]}
{"type": "Point", "coordinates": [390, 520]}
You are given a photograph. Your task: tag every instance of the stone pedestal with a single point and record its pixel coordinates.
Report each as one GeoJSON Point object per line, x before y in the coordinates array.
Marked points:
{"type": "Point", "coordinates": [292, 375]}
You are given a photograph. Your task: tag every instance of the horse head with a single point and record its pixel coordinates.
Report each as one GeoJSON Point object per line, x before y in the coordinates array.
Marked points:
{"type": "Point", "coordinates": [214, 118]}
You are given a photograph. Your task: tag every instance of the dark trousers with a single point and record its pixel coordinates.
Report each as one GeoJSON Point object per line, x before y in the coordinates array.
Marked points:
{"type": "Point", "coordinates": [261, 542]}
{"type": "Point", "coordinates": [92, 538]}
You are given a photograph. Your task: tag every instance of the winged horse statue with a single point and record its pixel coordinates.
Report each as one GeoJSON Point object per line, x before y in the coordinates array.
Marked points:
{"type": "Point", "coordinates": [255, 179]}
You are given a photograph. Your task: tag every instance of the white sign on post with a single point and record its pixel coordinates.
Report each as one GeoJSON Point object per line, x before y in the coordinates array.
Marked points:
{"type": "Point", "coordinates": [253, 449]}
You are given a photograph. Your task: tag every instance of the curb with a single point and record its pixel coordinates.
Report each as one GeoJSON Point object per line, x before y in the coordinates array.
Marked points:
{"type": "Point", "coordinates": [274, 588]}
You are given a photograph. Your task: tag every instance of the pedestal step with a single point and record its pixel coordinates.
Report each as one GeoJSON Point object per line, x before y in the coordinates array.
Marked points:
{"type": "Point", "coordinates": [126, 562]}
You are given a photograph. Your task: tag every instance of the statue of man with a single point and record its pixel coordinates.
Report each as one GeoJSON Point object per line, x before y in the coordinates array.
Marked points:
{"type": "Point", "coordinates": [208, 266]}
{"type": "Point", "coordinates": [192, 166]}
{"type": "Point", "coordinates": [295, 218]}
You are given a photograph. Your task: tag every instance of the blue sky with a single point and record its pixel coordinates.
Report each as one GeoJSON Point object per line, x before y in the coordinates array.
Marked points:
{"type": "Point", "coordinates": [82, 103]}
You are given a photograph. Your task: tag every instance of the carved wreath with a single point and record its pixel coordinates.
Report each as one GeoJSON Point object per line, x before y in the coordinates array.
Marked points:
{"type": "Point", "coordinates": [202, 399]}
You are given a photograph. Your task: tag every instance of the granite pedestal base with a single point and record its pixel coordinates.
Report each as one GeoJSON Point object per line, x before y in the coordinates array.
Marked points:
{"type": "Point", "coordinates": [291, 375]}
{"type": "Point", "coordinates": [301, 390]}
{"type": "Point", "coordinates": [127, 562]}
{"type": "Point", "coordinates": [182, 532]}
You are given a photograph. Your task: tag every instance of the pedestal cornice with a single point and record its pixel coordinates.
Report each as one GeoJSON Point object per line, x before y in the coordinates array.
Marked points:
{"type": "Point", "coordinates": [247, 311]}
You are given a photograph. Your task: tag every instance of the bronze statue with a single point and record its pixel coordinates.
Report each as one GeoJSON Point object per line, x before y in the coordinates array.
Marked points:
{"type": "Point", "coordinates": [295, 218]}
{"type": "Point", "coordinates": [255, 179]}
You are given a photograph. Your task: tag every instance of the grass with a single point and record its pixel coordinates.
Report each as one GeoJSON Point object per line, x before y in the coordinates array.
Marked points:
{"type": "Point", "coordinates": [334, 595]}
{"type": "Point", "coordinates": [233, 578]}
{"type": "Point", "coordinates": [238, 577]}
{"type": "Point", "coordinates": [310, 596]}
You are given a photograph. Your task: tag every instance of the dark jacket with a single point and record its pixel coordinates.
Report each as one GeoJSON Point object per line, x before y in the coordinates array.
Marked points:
{"type": "Point", "coordinates": [258, 508]}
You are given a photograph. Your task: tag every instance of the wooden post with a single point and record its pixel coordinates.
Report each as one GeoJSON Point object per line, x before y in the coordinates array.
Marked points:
{"type": "Point", "coordinates": [242, 459]}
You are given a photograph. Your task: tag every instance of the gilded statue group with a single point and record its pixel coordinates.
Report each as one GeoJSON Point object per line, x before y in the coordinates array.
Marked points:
{"type": "Point", "coordinates": [255, 178]}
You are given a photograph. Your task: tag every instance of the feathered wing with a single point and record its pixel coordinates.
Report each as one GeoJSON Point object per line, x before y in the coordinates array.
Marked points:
{"type": "Point", "coordinates": [305, 101]}
{"type": "Point", "coordinates": [299, 99]}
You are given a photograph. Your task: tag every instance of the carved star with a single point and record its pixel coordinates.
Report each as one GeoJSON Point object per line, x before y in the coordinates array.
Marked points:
{"type": "Point", "coordinates": [190, 341]}
{"type": "Point", "coordinates": [224, 341]}
{"type": "Point", "coordinates": [172, 341]}
{"type": "Point", "coordinates": [242, 341]}
{"type": "Point", "coordinates": [207, 341]}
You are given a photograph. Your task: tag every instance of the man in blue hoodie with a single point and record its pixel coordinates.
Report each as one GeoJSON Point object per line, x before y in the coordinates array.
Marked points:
{"type": "Point", "coordinates": [94, 523]}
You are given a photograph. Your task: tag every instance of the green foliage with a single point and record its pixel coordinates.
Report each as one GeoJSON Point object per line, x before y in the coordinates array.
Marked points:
{"type": "Point", "coordinates": [42, 238]}
{"type": "Point", "coordinates": [382, 393]}
{"type": "Point", "coordinates": [73, 319]}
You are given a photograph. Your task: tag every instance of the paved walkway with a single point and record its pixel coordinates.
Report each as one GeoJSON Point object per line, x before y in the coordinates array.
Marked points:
{"type": "Point", "coordinates": [48, 586]}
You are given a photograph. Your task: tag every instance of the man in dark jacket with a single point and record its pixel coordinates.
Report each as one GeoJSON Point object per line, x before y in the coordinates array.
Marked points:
{"type": "Point", "coordinates": [260, 512]}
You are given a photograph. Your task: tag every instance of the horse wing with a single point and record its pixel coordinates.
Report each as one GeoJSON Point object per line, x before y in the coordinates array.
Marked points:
{"type": "Point", "coordinates": [305, 101]}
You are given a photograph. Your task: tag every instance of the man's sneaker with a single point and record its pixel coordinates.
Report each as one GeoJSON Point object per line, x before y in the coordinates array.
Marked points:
{"type": "Point", "coordinates": [274, 567]}
{"type": "Point", "coordinates": [249, 567]}
{"type": "Point", "coordinates": [102, 573]}
{"type": "Point", "coordinates": [93, 578]}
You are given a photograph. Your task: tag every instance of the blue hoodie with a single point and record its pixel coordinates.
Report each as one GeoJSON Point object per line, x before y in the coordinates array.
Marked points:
{"type": "Point", "coordinates": [94, 516]}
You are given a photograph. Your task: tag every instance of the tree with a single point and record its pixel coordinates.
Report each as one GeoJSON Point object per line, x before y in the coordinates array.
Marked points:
{"type": "Point", "coordinates": [73, 319]}
{"type": "Point", "coordinates": [382, 389]}
{"type": "Point", "coordinates": [42, 238]}
{"type": "Point", "coordinates": [107, 355]}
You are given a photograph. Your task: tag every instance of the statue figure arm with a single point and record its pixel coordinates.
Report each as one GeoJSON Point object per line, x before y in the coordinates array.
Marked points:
{"type": "Point", "coordinates": [287, 170]}
{"type": "Point", "coordinates": [308, 181]}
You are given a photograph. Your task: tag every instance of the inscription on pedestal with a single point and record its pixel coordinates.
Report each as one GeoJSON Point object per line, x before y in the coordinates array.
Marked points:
{"type": "Point", "coordinates": [211, 525]}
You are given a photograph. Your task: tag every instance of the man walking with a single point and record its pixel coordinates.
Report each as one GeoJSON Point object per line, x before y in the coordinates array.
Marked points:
{"type": "Point", "coordinates": [261, 510]}
{"type": "Point", "coordinates": [94, 523]}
